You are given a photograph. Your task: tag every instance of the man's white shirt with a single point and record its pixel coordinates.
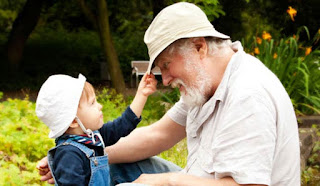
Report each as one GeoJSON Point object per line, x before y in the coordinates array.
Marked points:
{"type": "Point", "coordinates": [246, 130]}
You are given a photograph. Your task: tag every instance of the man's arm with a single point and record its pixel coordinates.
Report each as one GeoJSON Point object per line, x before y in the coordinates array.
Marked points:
{"type": "Point", "coordinates": [177, 179]}
{"type": "Point", "coordinates": [146, 141]}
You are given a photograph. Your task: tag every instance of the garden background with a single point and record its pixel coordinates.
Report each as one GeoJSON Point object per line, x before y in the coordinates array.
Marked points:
{"type": "Point", "coordinates": [39, 38]}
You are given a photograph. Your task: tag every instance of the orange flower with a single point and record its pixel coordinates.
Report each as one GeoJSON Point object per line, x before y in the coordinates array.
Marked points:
{"type": "Point", "coordinates": [294, 36]}
{"type": "Point", "coordinates": [275, 56]}
{"type": "Point", "coordinates": [256, 50]}
{"type": "Point", "coordinates": [308, 50]}
{"type": "Point", "coordinates": [259, 41]}
{"type": "Point", "coordinates": [292, 12]}
{"type": "Point", "coordinates": [266, 36]}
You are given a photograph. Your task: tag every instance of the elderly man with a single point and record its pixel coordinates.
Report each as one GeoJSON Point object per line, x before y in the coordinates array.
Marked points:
{"type": "Point", "coordinates": [238, 119]}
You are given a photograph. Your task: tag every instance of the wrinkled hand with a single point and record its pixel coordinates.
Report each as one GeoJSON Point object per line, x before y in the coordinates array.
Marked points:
{"type": "Point", "coordinates": [148, 84]}
{"type": "Point", "coordinates": [44, 171]}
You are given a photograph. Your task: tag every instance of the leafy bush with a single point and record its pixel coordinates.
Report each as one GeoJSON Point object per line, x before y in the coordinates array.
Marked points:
{"type": "Point", "coordinates": [295, 64]}
{"type": "Point", "coordinates": [114, 104]}
{"type": "Point", "coordinates": [24, 140]}
{"type": "Point", "coordinates": [311, 174]}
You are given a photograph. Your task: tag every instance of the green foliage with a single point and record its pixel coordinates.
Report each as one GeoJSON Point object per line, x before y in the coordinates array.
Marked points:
{"type": "Point", "coordinates": [172, 96]}
{"type": "Point", "coordinates": [298, 70]}
{"type": "Point", "coordinates": [9, 10]}
{"type": "Point", "coordinates": [49, 51]}
{"type": "Point", "coordinates": [311, 174]}
{"type": "Point", "coordinates": [6, 19]}
{"type": "Point", "coordinates": [129, 20]}
{"type": "Point", "coordinates": [12, 4]}
{"type": "Point", "coordinates": [113, 104]}
{"type": "Point", "coordinates": [177, 154]}
{"type": "Point", "coordinates": [261, 24]}
{"type": "Point", "coordinates": [154, 109]}
{"type": "Point", "coordinates": [24, 140]}
{"type": "Point", "coordinates": [212, 8]}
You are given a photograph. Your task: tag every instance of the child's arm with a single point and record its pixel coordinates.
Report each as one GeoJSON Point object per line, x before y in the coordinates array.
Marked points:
{"type": "Point", "coordinates": [147, 86]}
{"type": "Point", "coordinates": [122, 126]}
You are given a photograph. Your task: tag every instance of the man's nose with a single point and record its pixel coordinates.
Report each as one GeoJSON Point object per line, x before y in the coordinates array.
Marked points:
{"type": "Point", "coordinates": [166, 78]}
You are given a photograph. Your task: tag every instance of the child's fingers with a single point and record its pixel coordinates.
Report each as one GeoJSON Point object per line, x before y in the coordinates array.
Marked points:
{"type": "Point", "coordinates": [151, 83]}
{"type": "Point", "coordinates": [43, 171]}
{"type": "Point", "coordinates": [146, 76]}
{"type": "Point", "coordinates": [152, 75]}
{"type": "Point", "coordinates": [47, 177]}
{"type": "Point", "coordinates": [153, 80]}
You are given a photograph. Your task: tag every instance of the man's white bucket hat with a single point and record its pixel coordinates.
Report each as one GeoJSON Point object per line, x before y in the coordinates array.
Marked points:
{"type": "Point", "coordinates": [58, 101]}
{"type": "Point", "coordinates": [180, 20]}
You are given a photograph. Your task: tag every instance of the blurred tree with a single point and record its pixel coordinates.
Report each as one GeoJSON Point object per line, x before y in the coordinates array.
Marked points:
{"type": "Point", "coordinates": [26, 21]}
{"type": "Point", "coordinates": [100, 22]}
{"type": "Point", "coordinates": [157, 6]}
{"type": "Point", "coordinates": [21, 29]}
{"type": "Point", "coordinates": [108, 47]}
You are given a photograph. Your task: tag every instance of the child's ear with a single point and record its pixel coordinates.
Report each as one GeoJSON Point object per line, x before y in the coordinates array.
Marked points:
{"type": "Point", "coordinates": [74, 124]}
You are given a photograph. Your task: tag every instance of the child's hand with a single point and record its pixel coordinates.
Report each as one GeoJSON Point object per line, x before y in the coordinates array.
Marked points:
{"type": "Point", "coordinates": [147, 85]}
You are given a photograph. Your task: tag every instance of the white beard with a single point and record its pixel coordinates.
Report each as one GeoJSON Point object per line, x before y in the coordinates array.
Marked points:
{"type": "Point", "coordinates": [194, 96]}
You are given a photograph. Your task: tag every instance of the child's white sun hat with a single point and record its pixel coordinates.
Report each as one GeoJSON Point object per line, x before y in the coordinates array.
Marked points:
{"type": "Point", "coordinates": [57, 102]}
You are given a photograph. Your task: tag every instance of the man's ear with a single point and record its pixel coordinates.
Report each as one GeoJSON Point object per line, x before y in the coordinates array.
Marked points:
{"type": "Point", "coordinates": [74, 124]}
{"type": "Point", "coordinates": [201, 46]}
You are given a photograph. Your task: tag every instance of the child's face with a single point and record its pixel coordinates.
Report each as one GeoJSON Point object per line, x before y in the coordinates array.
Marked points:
{"type": "Point", "coordinates": [89, 112]}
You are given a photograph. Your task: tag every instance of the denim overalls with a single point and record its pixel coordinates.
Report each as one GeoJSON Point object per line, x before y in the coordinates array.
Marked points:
{"type": "Point", "coordinates": [99, 165]}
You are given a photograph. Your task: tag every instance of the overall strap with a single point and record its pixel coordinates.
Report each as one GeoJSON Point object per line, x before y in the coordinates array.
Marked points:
{"type": "Point", "coordinates": [87, 151]}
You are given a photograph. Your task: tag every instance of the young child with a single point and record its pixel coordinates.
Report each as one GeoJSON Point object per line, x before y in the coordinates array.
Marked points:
{"type": "Point", "coordinates": [68, 106]}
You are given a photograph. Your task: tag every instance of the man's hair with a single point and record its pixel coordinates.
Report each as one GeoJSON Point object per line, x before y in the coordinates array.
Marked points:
{"type": "Point", "coordinates": [183, 45]}
{"type": "Point", "coordinates": [87, 91]}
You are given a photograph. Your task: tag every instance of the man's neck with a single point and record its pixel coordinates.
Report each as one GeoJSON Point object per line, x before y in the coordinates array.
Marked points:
{"type": "Point", "coordinates": [219, 65]}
